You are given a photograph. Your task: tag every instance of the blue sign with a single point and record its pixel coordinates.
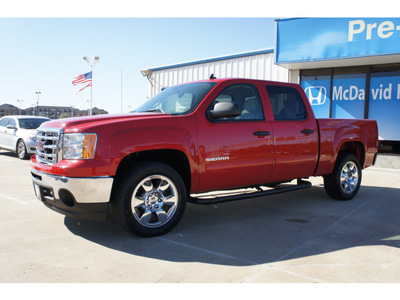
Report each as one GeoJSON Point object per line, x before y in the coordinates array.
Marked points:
{"type": "Point", "coordinates": [316, 39]}
{"type": "Point", "coordinates": [318, 90]}
{"type": "Point", "coordinates": [348, 96]}
{"type": "Point", "coordinates": [384, 104]}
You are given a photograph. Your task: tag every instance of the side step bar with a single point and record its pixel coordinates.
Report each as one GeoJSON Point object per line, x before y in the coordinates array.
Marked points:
{"type": "Point", "coordinates": [214, 198]}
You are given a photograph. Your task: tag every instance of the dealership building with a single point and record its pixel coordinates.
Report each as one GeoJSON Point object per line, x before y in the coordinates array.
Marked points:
{"type": "Point", "coordinates": [348, 68]}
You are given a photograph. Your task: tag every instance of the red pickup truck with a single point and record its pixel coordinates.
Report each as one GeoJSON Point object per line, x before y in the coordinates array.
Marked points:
{"type": "Point", "coordinates": [247, 138]}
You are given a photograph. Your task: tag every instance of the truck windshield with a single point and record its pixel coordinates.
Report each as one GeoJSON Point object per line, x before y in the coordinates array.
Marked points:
{"type": "Point", "coordinates": [178, 100]}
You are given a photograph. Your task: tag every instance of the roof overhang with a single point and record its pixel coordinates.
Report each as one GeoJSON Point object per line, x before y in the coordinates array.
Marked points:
{"type": "Point", "coordinates": [213, 59]}
{"type": "Point", "coordinates": [342, 62]}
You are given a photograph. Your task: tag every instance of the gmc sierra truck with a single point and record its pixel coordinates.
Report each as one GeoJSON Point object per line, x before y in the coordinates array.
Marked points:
{"type": "Point", "coordinates": [203, 142]}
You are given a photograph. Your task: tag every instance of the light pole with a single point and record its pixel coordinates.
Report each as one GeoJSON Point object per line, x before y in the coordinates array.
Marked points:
{"type": "Point", "coordinates": [20, 105]}
{"type": "Point", "coordinates": [37, 103]}
{"type": "Point", "coordinates": [95, 60]}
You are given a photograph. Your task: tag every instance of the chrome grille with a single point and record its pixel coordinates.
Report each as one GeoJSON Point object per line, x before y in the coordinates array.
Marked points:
{"type": "Point", "coordinates": [48, 145]}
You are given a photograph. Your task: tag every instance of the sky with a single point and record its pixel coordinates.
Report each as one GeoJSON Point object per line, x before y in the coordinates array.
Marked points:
{"type": "Point", "coordinates": [42, 43]}
{"type": "Point", "coordinates": [45, 54]}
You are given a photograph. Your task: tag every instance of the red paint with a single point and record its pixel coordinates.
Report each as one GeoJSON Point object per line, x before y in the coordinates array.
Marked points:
{"type": "Point", "coordinates": [221, 154]}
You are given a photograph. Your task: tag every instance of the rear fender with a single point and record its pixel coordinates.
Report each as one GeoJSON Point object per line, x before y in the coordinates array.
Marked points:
{"type": "Point", "coordinates": [345, 138]}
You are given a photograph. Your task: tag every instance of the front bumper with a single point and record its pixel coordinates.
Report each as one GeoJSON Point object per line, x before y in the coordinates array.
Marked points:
{"type": "Point", "coordinates": [86, 198]}
{"type": "Point", "coordinates": [30, 146]}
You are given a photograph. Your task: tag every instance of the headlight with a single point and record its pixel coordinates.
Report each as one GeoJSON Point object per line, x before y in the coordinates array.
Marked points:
{"type": "Point", "coordinates": [79, 145]}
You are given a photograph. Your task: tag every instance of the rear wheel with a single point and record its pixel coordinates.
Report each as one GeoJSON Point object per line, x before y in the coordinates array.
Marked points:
{"type": "Point", "coordinates": [149, 199]}
{"type": "Point", "coordinates": [345, 180]}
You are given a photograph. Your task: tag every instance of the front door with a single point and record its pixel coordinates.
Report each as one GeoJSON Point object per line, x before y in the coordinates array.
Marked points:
{"type": "Point", "coordinates": [237, 151]}
{"type": "Point", "coordinates": [3, 132]}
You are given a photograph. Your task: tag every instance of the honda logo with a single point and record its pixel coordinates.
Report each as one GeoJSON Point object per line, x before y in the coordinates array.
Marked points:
{"type": "Point", "coordinates": [316, 95]}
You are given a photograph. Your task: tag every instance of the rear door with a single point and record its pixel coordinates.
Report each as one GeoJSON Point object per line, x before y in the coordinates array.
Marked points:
{"type": "Point", "coordinates": [295, 134]}
{"type": "Point", "coordinates": [238, 151]}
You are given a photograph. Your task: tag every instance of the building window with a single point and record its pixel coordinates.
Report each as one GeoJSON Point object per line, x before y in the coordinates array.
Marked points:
{"type": "Point", "coordinates": [360, 92]}
{"type": "Point", "coordinates": [384, 103]}
{"type": "Point", "coordinates": [348, 96]}
{"type": "Point", "coordinates": [318, 91]}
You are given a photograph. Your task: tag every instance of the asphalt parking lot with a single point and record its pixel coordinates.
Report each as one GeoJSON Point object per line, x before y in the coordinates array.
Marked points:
{"type": "Point", "coordinates": [302, 236]}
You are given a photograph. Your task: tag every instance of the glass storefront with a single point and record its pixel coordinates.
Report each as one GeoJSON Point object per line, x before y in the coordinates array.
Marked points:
{"type": "Point", "coordinates": [368, 92]}
{"type": "Point", "coordinates": [384, 104]}
{"type": "Point", "coordinates": [348, 96]}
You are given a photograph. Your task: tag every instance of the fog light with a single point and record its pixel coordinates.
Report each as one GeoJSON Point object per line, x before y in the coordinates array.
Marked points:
{"type": "Point", "coordinates": [66, 197]}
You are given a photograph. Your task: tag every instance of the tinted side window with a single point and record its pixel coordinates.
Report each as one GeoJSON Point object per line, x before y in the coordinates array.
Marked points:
{"type": "Point", "coordinates": [286, 103]}
{"type": "Point", "coordinates": [12, 122]}
{"type": "Point", "coordinates": [245, 97]}
{"type": "Point", "coordinates": [4, 122]}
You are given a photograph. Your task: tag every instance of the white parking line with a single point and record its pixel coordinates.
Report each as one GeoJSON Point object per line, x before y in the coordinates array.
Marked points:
{"type": "Point", "coordinates": [15, 199]}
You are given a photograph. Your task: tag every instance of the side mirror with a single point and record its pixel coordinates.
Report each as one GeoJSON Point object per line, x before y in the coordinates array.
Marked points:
{"type": "Point", "coordinates": [11, 127]}
{"type": "Point", "coordinates": [224, 110]}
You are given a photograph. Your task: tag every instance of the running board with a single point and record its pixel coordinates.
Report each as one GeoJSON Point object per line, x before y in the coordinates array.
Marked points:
{"type": "Point", "coordinates": [208, 198]}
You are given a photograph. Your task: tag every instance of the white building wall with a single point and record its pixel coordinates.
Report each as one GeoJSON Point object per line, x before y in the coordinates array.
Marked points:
{"type": "Point", "coordinates": [259, 66]}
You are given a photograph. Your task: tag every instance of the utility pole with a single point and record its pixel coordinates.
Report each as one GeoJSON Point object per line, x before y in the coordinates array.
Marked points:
{"type": "Point", "coordinates": [121, 90]}
{"type": "Point", "coordinates": [37, 103]}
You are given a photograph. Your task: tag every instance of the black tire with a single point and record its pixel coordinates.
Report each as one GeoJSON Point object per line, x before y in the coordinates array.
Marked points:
{"type": "Point", "coordinates": [22, 153]}
{"type": "Point", "coordinates": [149, 199]}
{"type": "Point", "coordinates": [345, 180]}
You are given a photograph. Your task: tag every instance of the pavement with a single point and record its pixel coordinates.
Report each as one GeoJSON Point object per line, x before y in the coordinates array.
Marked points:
{"type": "Point", "coordinates": [296, 237]}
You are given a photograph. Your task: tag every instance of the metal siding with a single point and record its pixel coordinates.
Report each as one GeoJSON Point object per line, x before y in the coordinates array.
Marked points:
{"type": "Point", "coordinates": [259, 66]}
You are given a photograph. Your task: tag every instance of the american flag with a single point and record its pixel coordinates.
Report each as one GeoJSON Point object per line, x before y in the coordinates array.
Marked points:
{"type": "Point", "coordinates": [90, 84]}
{"type": "Point", "coordinates": [83, 78]}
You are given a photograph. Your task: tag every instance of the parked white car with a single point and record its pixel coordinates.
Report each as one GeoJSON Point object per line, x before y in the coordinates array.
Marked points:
{"type": "Point", "coordinates": [18, 134]}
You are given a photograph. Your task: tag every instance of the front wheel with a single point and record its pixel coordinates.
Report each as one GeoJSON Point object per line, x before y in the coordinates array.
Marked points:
{"type": "Point", "coordinates": [345, 180]}
{"type": "Point", "coordinates": [149, 199]}
{"type": "Point", "coordinates": [22, 153]}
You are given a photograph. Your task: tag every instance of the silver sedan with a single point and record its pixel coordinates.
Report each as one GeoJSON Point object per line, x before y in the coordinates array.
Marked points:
{"type": "Point", "coordinates": [18, 134]}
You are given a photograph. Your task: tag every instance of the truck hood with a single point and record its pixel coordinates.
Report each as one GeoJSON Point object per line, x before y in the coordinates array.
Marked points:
{"type": "Point", "coordinates": [80, 124]}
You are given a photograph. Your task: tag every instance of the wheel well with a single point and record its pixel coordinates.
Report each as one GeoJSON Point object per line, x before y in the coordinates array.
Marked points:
{"type": "Point", "coordinates": [355, 148]}
{"type": "Point", "coordinates": [174, 158]}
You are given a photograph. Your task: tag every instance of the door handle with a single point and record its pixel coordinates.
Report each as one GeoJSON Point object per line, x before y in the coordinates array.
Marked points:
{"type": "Point", "coordinates": [307, 131]}
{"type": "Point", "coordinates": [261, 133]}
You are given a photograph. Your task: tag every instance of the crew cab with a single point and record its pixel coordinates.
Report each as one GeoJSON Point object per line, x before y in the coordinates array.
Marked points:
{"type": "Point", "coordinates": [248, 138]}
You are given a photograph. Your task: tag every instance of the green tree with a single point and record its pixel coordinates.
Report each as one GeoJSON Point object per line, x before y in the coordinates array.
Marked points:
{"type": "Point", "coordinates": [64, 115]}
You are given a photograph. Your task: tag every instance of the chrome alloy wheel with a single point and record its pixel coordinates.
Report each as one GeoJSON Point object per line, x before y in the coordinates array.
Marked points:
{"type": "Point", "coordinates": [154, 201]}
{"type": "Point", "coordinates": [349, 177]}
{"type": "Point", "coordinates": [21, 150]}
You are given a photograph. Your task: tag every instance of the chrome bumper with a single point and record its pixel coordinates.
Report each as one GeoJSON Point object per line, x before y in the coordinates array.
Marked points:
{"type": "Point", "coordinates": [83, 190]}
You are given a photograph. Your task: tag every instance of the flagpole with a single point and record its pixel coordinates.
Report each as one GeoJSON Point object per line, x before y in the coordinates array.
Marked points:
{"type": "Point", "coordinates": [91, 90]}
{"type": "Point", "coordinates": [95, 60]}
{"type": "Point", "coordinates": [121, 90]}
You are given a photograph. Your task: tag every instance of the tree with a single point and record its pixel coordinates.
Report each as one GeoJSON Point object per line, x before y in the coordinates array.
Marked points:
{"type": "Point", "coordinates": [64, 115]}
